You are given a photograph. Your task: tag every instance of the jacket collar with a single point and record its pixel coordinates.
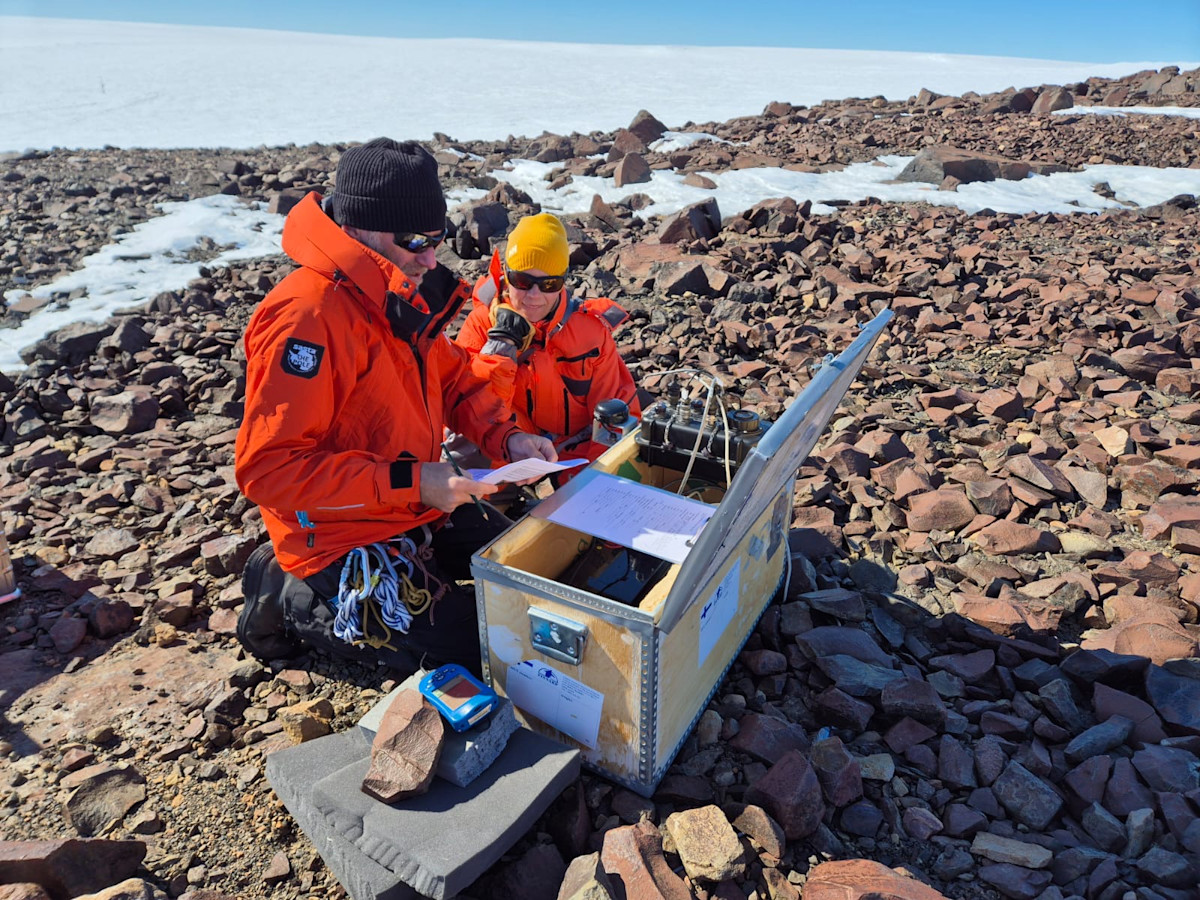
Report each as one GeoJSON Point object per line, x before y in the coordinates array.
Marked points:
{"type": "Point", "coordinates": [315, 241]}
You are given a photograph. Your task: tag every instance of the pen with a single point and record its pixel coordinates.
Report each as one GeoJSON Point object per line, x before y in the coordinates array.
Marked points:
{"type": "Point", "coordinates": [458, 471]}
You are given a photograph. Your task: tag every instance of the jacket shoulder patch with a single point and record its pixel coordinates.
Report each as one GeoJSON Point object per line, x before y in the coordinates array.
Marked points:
{"type": "Point", "coordinates": [302, 358]}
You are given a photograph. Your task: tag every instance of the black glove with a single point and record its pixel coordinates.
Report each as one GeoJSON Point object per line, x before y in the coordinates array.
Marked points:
{"type": "Point", "coordinates": [509, 325]}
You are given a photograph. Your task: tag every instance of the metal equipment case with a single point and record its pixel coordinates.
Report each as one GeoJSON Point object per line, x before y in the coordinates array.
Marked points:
{"type": "Point", "coordinates": [624, 683]}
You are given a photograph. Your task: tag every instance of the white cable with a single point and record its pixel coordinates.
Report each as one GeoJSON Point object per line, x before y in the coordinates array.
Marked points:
{"type": "Point", "coordinates": [699, 434]}
{"type": "Point", "coordinates": [725, 421]}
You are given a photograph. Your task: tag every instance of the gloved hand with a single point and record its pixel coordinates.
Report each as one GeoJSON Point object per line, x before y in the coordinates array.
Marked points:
{"type": "Point", "coordinates": [509, 325]}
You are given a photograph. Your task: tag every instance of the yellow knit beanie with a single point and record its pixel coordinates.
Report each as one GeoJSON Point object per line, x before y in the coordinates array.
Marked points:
{"type": "Point", "coordinates": [538, 242]}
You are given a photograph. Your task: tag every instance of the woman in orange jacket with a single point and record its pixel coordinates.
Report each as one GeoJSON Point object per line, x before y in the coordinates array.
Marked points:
{"type": "Point", "coordinates": [550, 355]}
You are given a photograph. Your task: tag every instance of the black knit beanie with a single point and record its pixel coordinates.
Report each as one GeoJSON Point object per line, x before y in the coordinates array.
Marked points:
{"type": "Point", "coordinates": [387, 186]}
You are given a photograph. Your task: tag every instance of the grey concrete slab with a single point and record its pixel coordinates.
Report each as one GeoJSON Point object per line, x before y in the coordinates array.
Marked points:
{"type": "Point", "coordinates": [465, 754]}
{"type": "Point", "coordinates": [361, 876]}
{"type": "Point", "coordinates": [436, 844]}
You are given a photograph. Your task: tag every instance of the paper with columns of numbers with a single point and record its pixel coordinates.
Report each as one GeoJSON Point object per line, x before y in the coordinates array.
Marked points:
{"type": "Point", "coordinates": [633, 515]}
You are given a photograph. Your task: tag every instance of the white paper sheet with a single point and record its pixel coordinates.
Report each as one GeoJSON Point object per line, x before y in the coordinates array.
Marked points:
{"type": "Point", "coordinates": [523, 470]}
{"type": "Point", "coordinates": [634, 515]}
{"type": "Point", "coordinates": [557, 699]}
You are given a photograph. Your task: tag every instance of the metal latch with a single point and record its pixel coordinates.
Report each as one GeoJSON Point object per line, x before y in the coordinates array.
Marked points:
{"type": "Point", "coordinates": [557, 637]}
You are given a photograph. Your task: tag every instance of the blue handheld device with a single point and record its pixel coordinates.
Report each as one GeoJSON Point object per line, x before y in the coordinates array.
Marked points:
{"type": "Point", "coordinates": [459, 696]}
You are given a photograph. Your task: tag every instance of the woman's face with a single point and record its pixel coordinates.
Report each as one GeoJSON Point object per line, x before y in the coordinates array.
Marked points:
{"type": "Point", "coordinates": [533, 303]}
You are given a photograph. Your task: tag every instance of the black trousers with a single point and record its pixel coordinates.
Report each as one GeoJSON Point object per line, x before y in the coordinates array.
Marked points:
{"type": "Point", "coordinates": [448, 632]}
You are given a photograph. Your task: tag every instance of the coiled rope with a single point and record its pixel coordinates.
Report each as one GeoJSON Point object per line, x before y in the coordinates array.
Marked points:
{"type": "Point", "coordinates": [377, 594]}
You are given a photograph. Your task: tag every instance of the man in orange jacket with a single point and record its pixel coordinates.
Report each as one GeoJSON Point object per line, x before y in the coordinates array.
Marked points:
{"type": "Point", "coordinates": [349, 384]}
{"type": "Point", "coordinates": [550, 355]}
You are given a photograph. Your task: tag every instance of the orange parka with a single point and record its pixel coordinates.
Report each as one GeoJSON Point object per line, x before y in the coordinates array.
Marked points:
{"type": "Point", "coordinates": [571, 365]}
{"type": "Point", "coordinates": [349, 384]}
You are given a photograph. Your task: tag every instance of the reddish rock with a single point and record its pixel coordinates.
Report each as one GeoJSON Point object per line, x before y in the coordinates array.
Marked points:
{"type": "Point", "coordinates": [633, 854]}
{"type": "Point", "coordinates": [1147, 726]}
{"type": "Point", "coordinates": [943, 510]}
{"type": "Point", "coordinates": [68, 868]}
{"type": "Point", "coordinates": [1005, 404]}
{"type": "Point", "coordinates": [1124, 791]}
{"type": "Point", "coordinates": [1040, 474]}
{"type": "Point", "coordinates": [862, 879]}
{"type": "Point", "coordinates": [1150, 567]}
{"type": "Point", "coordinates": [754, 822]}
{"type": "Point", "coordinates": [1004, 537]}
{"type": "Point", "coordinates": [767, 738]}
{"type": "Point", "coordinates": [935, 163]}
{"type": "Point", "coordinates": [837, 770]}
{"type": "Point", "coordinates": [791, 793]}
{"type": "Point", "coordinates": [406, 749]}
{"type": "Point", "coordinates": [1052, 99]}
{"type": "Point", "coordinates": [914, 698]}
{"type": "Point", "coordinates": [1155, 640]}
{"type": "Point", "coordinates": [632, 169]}
{"type": "Point", "coordinates": [991, 496]}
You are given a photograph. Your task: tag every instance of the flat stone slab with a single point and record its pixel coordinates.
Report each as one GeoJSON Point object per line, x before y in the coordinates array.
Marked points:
{"type": "Point", "coordinates": [434, 845]}
{"type": "Point", "coordinates": [465, 755]}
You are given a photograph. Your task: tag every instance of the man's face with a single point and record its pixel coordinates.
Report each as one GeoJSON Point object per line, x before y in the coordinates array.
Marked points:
{"type": "Point", "coordinates": [414, 265]}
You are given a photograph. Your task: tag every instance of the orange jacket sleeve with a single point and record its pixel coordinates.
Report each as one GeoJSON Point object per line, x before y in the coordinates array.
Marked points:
{"type": "Point", "coordinates": [473, 407]}
{"type": "Point", "coordinates": [498, 370]}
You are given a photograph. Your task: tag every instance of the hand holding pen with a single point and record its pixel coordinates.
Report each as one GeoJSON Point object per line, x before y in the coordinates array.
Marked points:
{"type": "Point", "coordinates": [458, 470]}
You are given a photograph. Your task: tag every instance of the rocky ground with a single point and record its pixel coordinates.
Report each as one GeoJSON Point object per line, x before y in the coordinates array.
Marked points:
{"type": "Point", "coordinates": [985, 674]}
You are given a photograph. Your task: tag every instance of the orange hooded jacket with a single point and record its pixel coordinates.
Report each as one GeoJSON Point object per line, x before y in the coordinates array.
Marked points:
{"type": "Point", "coordinates": [571, 365]}
{"type": "Point", "coordinates": [349, 382]}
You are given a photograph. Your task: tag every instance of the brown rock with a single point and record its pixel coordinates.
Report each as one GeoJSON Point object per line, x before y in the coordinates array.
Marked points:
{"type": "Point", "coordinates": [862, 879]}
{"type": "Point", "coordinates": [632, 169]}
{"type": "Point", "coordinates": [990, 496]}
{"type": "Point", "coordinates": [129, 412]}
{"type": "Point", "coordinates": [754, 822]}
{"type": "Point", "coordinates": [406, 749]}
{"type": "Point", "coordinates": [1052, 99]}
{"type": "Point", "coordinates": [102, 795]}
{"type": "Point", "coordinates": [278, 869]}
{"type": "Point", "coordinates": [1005, 404]}
{"type": "Point", "coordinates": [306, 720]}
{"type": "Point", "coordinates": [68, 868]}
{"type": "Point", "coordinates": [1040, 474]}
{"type": "Point", "coordinates": [837, 770]}
{"type": "Point", "coordinates": [1005, 537]}
{"type": "Point", "coordinates": [933, 164]}
{"type": "Point", "coordinates": [706, 844]}
{"type": "Point", "coordinates": [944, 510]}
{"type": "Point", "coordinates": [23, 891]}
{"type": "Point", "coordinates": [1091, 486]}
{"type": "Point", "coordinates": [646, 127]}
{"type": "Point", "coordinates": [791, 793]}
{"type": "Point", "coordinates": [633, 854]}
{"type": "Point", "coordinates": [586, 880]}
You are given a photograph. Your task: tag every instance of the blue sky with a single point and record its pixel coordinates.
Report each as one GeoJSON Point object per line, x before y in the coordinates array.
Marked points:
{"type": "Point", "coordinates": [1076, 30]}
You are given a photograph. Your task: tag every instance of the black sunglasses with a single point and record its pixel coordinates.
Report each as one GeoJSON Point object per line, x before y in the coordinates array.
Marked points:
{"type": "Point", "coordinates": [418, 243]}
{"type": "Point", "coordinates": [523, 281]}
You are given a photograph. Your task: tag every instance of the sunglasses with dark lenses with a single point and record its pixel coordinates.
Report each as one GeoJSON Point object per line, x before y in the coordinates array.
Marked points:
{"type": "Point", "coordinates": [523, 281]}
{"type": "Point", "coordinates": [418, 243]}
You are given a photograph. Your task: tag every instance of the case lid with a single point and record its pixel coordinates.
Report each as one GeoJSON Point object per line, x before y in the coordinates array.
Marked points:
{"type": "Point", "coordinates": [769, 467]}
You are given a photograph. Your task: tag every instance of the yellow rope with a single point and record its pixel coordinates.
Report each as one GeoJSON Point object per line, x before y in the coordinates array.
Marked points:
{"type": "Point", "coordinates": [371, 611]}
{"type": "Point", "coordinates": [416, 599]}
